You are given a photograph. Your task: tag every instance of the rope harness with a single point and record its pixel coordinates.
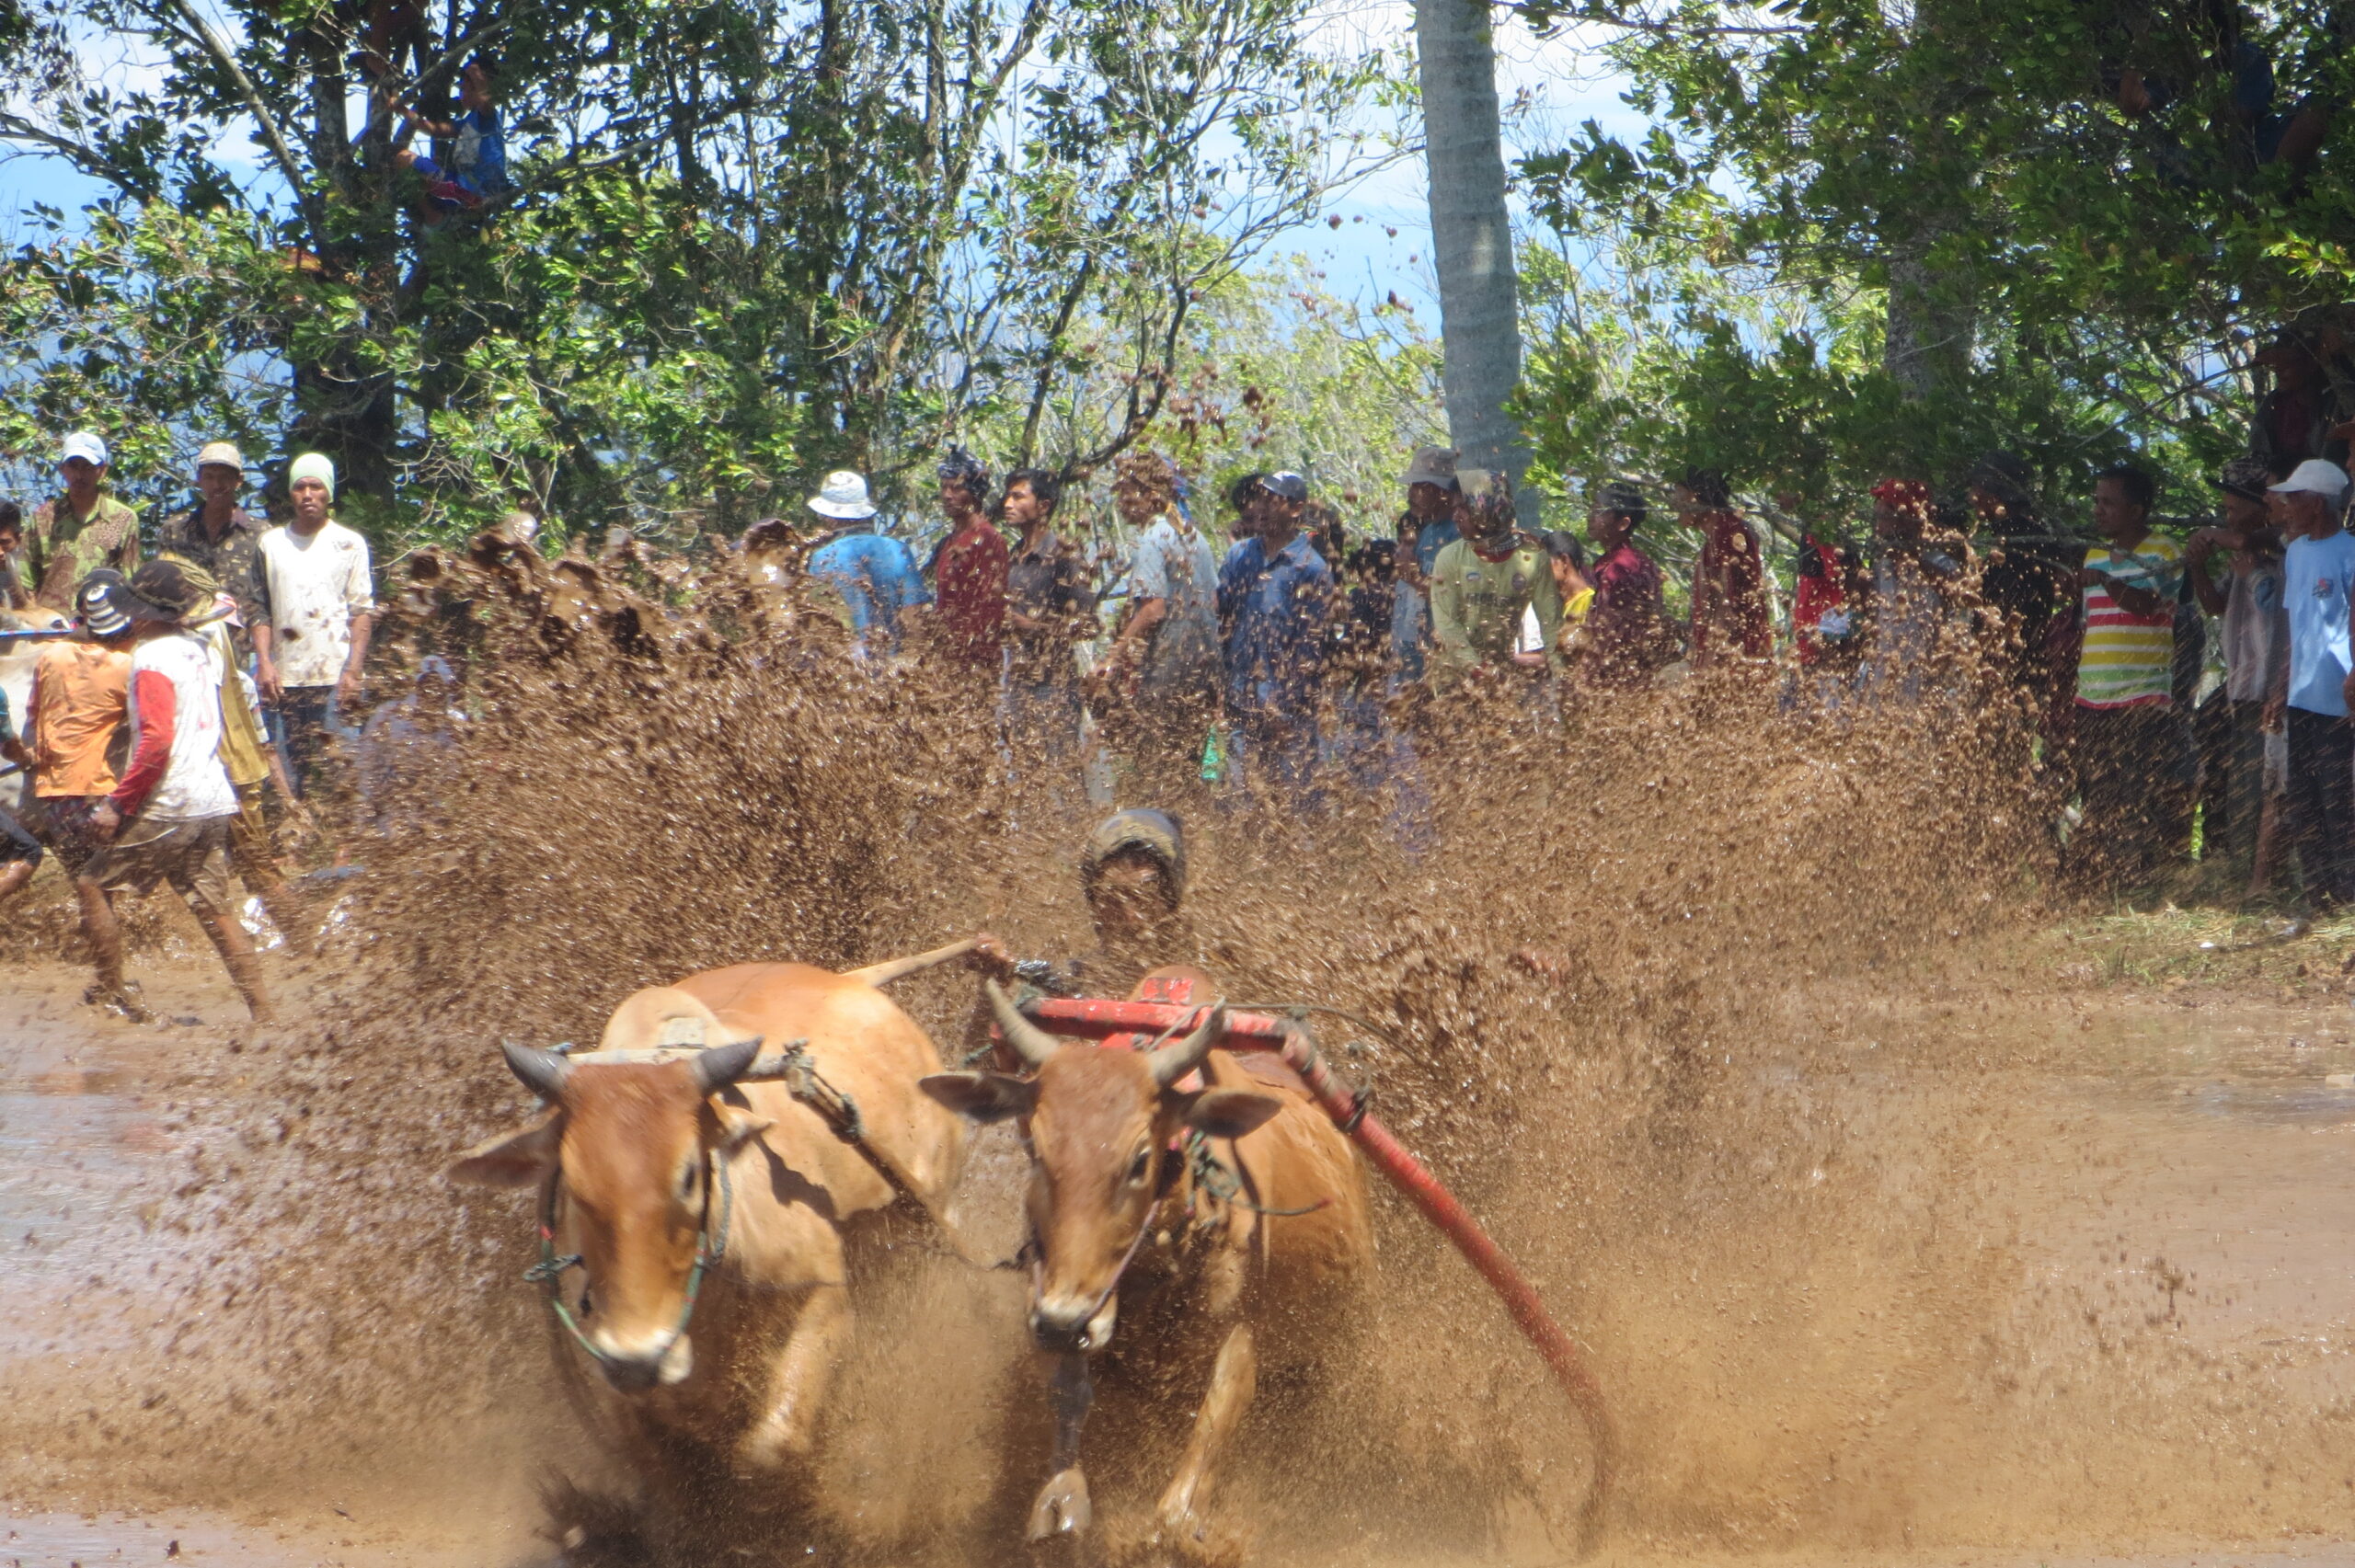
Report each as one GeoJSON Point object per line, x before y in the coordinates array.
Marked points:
{"type": "Point", "coordinates": [711, 1246]}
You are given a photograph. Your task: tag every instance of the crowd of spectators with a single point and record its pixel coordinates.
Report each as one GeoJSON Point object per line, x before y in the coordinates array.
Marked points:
{"type": "Point", "coordinates": [2191, 693]}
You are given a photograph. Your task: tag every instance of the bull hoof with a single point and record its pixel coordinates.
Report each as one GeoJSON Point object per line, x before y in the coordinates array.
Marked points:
{"type": "Point", "coordinates": [1063, 1507]}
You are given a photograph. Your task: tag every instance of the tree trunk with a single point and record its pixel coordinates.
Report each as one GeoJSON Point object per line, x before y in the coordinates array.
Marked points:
{"type": "Point", "coordinates": [1480, 306]}
{"type": "Point", "coordinates": [1931, 325]}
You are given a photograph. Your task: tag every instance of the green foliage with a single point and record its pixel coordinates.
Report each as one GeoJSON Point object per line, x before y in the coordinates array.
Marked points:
{"type": "Point", "coordinates": [1862, 238]}
{"type": "Point", "coordinates": [745, 243]}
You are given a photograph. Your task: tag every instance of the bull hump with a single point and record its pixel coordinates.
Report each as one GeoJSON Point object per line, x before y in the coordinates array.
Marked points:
{"type": "Point", "coordinates": [662, 1017]}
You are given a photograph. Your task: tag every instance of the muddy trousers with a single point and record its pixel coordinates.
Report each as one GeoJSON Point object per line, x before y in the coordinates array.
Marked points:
{"type": "Point", "coordinates": [2322, 805]}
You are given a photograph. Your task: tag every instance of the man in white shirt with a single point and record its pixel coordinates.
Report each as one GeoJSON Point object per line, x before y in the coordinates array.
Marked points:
{"type": "Point", "coordinates": [168, 817]}
{"type": "Point", "coordinates": [1165, 663]}
{"type": "Point", "coordinates": [318, 602]}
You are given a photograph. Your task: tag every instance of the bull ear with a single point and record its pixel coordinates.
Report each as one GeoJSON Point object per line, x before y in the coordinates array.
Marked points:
{"type": "Point", "coordinates": [515, 1160]}
{"type": "Point", "coordinates": [739, 1127]}
{"type": "Point", "coordinates": [1229, 1113]}
{"type": "Point", "coordinates": [984, 1096]}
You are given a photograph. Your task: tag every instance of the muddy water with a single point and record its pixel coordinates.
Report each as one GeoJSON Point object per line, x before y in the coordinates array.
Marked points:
{"type": "Point", "coordinates": [2174, 1190]}
{"type": "Point", "coordinates": [1872, 1262]}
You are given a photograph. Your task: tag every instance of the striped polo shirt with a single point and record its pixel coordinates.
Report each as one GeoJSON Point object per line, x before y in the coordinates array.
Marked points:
{"type": "Point", "coordinates": [2129, 659]}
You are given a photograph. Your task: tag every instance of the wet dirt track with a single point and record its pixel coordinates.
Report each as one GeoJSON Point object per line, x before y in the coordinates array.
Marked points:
{"type": "Point", "coordinates": [2177, 1190]}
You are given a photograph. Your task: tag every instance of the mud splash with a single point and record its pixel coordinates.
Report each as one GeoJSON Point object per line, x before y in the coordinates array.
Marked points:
{"type": "Point", "coordinates": [1612, 1004]}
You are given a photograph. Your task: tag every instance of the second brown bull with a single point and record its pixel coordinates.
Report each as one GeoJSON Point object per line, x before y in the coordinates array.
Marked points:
{"type": "Point", "coordinates": [1206, 1190]}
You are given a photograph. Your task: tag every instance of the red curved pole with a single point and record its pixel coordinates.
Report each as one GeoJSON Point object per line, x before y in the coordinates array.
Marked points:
{"type": "Point", "coordinates": [1141, 1020]}
{"type": "Point", "coordinates": [1439, 1206]}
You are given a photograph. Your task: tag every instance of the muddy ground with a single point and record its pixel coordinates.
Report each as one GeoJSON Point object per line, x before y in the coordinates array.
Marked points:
{"type": "Point", "coordinates": [2154, 1357]}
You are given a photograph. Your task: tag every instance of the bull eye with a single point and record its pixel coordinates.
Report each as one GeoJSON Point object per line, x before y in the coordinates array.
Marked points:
{"type": "Point", "coordinates": [688, 1175]}
{"type": "Point", "coordinates": [1142, 1166]}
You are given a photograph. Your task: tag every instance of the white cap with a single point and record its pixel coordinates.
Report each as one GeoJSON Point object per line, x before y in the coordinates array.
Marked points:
{"type": "Point", "coordinates": [85, 444]}
{"type": "Point", "coordinates": [843, 496]}
{"type": "Point", "coordinates": [2313, 476]}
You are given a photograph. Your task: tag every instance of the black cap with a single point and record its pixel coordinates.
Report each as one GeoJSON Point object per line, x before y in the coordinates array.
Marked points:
{"type": "Point", "coordinates": [1287, 484]}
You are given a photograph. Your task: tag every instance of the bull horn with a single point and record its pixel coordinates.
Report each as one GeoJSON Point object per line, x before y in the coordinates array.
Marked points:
{"type": "Point", "coordinates": [723, 1065]}
{"type": "Point", "coordinates": [1033, 1044]}
{"type": "Point", "coordinates": [543, 1072]}
{"type": "Point", "coordinates": [1170, 1064]}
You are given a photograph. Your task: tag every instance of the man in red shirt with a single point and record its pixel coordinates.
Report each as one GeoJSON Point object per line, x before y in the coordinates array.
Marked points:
{"type": "Point", "coordinates": [1626, 633]}
{"type": "Point", "coordinates": [1731, 625]}
{"type": "Point", "coordinates": [970, 571]}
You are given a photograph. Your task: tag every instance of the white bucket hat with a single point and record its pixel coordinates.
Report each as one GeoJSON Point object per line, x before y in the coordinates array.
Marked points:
{"type": "Point", "coordinates": [843, 496]}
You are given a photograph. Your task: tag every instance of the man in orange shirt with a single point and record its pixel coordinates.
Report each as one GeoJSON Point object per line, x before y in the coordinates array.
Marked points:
{"type": "Point", "coordinates": [80, 698]}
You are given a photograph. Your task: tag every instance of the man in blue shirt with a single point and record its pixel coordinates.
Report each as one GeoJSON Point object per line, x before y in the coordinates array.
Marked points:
{"type": "Point", "coordinates": [877, 577]}
{"type": "Point", "coordinates": [2314, 688]}
{"type": "Point", "coordinates": [1274, 593]}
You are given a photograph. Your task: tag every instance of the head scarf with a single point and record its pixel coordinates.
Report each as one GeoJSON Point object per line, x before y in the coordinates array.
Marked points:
{"type": "Point", "coordinates": [311, 465]}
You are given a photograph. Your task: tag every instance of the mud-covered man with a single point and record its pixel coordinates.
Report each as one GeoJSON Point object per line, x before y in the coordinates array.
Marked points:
{"type": "Point", "coordinates": [1132, 873]}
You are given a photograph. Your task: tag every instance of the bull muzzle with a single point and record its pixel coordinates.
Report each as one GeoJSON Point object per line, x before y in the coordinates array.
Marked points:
{"type": "Point", "coordinates": [635, 1369]}
{"type": "Point", "coordinates": [1074, 1324]}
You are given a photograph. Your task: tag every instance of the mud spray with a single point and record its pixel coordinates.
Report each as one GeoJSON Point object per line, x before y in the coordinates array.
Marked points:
{"type": "Point", "coordinates": [1608, 1004]}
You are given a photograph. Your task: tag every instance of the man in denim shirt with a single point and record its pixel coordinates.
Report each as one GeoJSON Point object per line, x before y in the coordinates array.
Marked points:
{"type": "Point", "coordinates": [1274, 593]}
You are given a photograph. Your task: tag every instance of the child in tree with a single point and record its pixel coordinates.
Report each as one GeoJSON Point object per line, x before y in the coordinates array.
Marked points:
{"type": "Point", "coordinates": [478, 168]}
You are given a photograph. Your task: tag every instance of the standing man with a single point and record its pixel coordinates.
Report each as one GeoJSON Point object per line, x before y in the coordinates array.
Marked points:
{"type": "Point", "coordinates": [1904, 605]}
{"type": "Point", "coordinates": [2030, 578]}
{"type": "Point", "coordinates": [1274, 593]}
{"type": "Point", "coordinates": [2133, 748]}
{"type": "Point", "coordinates": [77, 533]}
{"type": "Point", "coordinates": [81, 695]}
{"type": "Point", "coordinates": [970, 568]}
{"type": "Point", "coordinates": [20, 853]}
{"type": "Point", "coordinates": [1731, 623]}
{"type": "Point", "coordinates": [13, 595]}
{"type": "Point", "coordinates": [251, 762]}
{"type": "Point", "coordinates": [1049, 607]}
{"type": "Point", "coordinates": [1484, 583]}
{"type": "Point", "coordinates": [167, 819]}
{"type": "Point", "coordinates": [2315, 685]}
{"type": "Point", "coordinates": [1166, 660]}
{"type": "Point", "coordinates": [1427, 527]}
{"type": "Point", "coordinates": [876, 576]}
{"type": "Point", "coordinates": [1628, 635]}
{"type": "Point", "coordinates": [316, 601]}
{"type": "Point", "coordinates": [2257, 644]}
{"type": "Point", "coordinates": [217, 534]}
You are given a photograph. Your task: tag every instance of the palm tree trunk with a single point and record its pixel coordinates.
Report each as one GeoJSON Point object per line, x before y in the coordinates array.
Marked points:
{"type": "Point", "coordinates": [1479, 307]}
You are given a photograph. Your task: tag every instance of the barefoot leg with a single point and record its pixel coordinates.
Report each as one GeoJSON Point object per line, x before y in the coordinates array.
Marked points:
{"type": "Point", "coordinates": [1233, 1382]}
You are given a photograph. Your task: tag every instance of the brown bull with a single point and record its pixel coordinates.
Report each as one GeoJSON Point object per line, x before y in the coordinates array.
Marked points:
{"type": "Point", "coordinates": [1209, 1186]}
{"type": "Point", "coordinates": [709, 1212]}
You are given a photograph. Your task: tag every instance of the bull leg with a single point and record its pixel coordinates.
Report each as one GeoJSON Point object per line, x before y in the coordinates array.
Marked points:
{"type": "Point", "coordinates": [796, 1392]}
{"type": "Point", "coordinates": [1234, 1380]}
{"type": "Point", "coordinates": [1063, 1507]}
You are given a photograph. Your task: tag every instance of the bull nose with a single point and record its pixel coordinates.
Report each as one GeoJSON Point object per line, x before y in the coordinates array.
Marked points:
{"type": "Point", "coordinates": [636, 1368]}
{"type": "Point", "coordinates": [1072, 1323]}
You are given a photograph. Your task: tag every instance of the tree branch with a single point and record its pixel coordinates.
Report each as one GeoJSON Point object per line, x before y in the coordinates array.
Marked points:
{"type": "Point", "coordinates": [223, 57]}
